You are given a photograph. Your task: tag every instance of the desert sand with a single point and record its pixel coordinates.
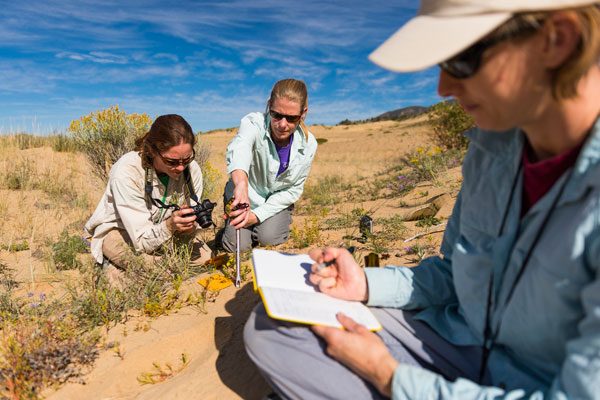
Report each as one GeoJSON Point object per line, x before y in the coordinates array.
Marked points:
{"type": "Point", "coordinates": [209, 336]}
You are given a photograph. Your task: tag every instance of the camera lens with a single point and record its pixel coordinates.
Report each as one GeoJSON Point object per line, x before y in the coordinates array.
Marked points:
{"type": "Point", "coordinates": [205, 221]}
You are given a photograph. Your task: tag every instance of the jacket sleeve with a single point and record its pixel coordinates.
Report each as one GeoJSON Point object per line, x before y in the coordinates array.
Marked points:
{"type": "Point", "coordinates": [288, 196]}
{"type": "Point", "coordinates": [239, 151]}
{"type": "Point", "coordinates": [134, 214]}
{"type": "Point", "coordinates": [578, 378]}
{"type": "Point", "coordinates": [430, 283]}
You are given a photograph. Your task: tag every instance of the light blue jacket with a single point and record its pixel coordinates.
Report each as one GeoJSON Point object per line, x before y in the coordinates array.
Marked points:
{"type": "Point", "coordinates": [549, 342]}
{"type": "Point", "coordinates": [252, 150]}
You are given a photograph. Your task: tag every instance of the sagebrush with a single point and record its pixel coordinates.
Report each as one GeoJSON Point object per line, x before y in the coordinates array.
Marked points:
{"type": "Point", "coordinates": [449, 120]}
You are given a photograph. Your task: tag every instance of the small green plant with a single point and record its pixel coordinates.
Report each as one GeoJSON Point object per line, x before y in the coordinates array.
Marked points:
{"type": "Point", "coordinates": [93, 302]}
{"type": "Point", "coordinates": [16, 247]}
{"type": "Point", "coordinates": [390, 228]}
{"type": "Point", "coordinates": [326, 192]}
{"type": "Point", "coordinates": [420, 251]}
{"type": "Point", "coordinates": [370, 190]}
{"type": "Point", "coordinates": [161, 373]}
{"type": "Point", "coordinates": [386, 232]}
{"type": "Point", "coordinates": [229, 266]}
{"type": "Point", "coordinates": [321, 140]}
{"type": "Point", "coordinates": [428, 222]}
{"type": "Point", "coordinates": [10, 306]}
{"type": "Point", "coordinates": [449, 120]}
{"type": "Point", "coordinates": [418, 166]}
{"type": "Point", "coordinates": [66, 249]}
{"type": "Point", "coordinates": [309, 235]}
{"type": "Point", "coordinates": [20, 177]}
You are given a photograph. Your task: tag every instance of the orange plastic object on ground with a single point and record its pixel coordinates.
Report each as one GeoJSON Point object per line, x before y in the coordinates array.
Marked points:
{"type": "Point", "coordinates": [215, 282]}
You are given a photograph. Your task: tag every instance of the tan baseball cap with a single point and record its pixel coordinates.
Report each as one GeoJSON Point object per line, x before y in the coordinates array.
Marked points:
{"type": "Point", "coordinates": [444, 28]}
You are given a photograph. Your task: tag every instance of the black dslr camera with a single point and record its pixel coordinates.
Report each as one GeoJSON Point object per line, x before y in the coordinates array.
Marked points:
{"type": "Point", "coordinates": [203, 213]}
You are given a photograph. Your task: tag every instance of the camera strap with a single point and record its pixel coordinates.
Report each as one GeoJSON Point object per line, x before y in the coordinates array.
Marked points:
{"type": "Point", "coordinates": [148, 191]}
{"type": "Point", "coordinates": [189, 184]}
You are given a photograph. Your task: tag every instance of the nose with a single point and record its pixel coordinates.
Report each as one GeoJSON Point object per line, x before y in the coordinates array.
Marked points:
{"type": "Point", "coordinates": [180, 167]}
{"type": "Point", "coordinates": [448, 85]}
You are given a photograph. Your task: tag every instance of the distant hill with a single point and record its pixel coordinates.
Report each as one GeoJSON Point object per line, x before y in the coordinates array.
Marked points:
{"type": "Point", "coordinates": [399, 114]}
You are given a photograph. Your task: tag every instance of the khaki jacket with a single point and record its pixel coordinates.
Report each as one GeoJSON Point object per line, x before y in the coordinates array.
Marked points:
{"type": "Point", "coordinates": [124, 205]}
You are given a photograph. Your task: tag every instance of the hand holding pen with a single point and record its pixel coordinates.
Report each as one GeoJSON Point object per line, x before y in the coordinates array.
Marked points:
{"type": "Point", "coordinates": [324, 264]}
{"type": "Point", "coordinates": [340, 276]}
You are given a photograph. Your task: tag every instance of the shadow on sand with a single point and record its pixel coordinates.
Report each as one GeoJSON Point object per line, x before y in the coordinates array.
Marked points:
{"type": "Point", "coordinates": [234, 367]}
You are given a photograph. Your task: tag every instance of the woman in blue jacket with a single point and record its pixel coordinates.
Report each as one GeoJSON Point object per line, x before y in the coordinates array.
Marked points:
{"type": "Point", "coordinates": [268, 161]}
{"type": "Point", "coordinates": [512, 307]}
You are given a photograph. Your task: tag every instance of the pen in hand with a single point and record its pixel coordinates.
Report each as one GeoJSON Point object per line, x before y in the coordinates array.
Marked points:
{"type": "Point", "coordinates": [330, 262]}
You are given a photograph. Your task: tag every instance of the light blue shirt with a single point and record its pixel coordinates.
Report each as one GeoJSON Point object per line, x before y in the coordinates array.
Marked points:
{"type": "Point", "coordinates": [549, 342]}
{"type": "Point", "coordinates": [253, 151]}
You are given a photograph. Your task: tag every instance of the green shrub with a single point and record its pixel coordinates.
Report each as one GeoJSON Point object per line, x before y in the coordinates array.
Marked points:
{"type": "Point", "coordinates": [449, 120]}
{"type": "Point", "coordinates": [321, 140]}
{"type": "Point", "coordinates": [66, 249]}
{"type": "Point", "coordinates": [428, 222]}
{"type": "Point", "coordinates": [104, 136]}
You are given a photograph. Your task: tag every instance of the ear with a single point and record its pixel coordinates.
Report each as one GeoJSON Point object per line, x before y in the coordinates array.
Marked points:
{"type": "Point", "coordinates": [304, 112]}
{"type": "Point", "coordinates": [562, 35]}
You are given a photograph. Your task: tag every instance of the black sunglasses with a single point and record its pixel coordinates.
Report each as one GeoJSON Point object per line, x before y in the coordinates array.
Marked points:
{"type": "Point", "coordinates": [467, 63]}
{"type": "Point", "coordinates": [175, 162]}
{"type": "Point", "coordinates": [292, 119]}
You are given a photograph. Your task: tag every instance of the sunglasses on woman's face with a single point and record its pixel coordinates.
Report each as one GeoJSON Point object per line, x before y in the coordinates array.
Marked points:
{"type": "Point", "coordinates": [467, 63]}
{"type": "Point", "coordinates": [292, 119]}
{"type": "Point", "coordinates": [175, 162]}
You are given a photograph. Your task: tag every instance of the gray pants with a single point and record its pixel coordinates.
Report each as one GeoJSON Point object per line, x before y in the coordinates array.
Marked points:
{"type": "Point", "coordinates": [294, 361]}
{"type": "Point", "coordinates": [270, 232]}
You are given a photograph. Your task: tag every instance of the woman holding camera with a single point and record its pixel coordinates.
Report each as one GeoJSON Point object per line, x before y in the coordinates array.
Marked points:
{"type": "Point", "coordinates": [511, 310]}
{"type": "Point", "coordinates": [132, 212]}
{"type": "Point", "coordinates": [268, 161]}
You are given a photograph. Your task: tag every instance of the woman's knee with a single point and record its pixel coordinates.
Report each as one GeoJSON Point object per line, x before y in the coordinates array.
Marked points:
{"type": "Point", "coordinates": [257, 330]}
{"type": "Point", "coordinates": [273, 231]}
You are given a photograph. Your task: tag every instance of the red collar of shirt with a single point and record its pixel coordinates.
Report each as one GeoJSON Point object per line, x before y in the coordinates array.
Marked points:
{"type": "Point", "coordinates": [539, 177]}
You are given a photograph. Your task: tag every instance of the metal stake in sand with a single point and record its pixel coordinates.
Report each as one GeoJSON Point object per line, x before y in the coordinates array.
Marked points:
{"type": "Point", "coordinates": [228, 210]}
{"type": "Point", "coordinates": [237, 258]}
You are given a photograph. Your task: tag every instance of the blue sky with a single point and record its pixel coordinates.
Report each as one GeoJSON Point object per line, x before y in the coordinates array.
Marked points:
{"type": "Point", "coordinates": [211, 62]}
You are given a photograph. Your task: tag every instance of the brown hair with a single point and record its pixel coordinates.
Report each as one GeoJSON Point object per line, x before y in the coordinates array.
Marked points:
{"type": "Point", "coordinates": [565, 77]}
{"type": "Point", "coordinates": [294, 90]}
{"type": "Point", "coordinates": [166, 131]}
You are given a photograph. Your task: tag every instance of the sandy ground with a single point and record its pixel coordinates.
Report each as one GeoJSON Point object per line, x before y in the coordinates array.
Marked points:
{"type": "Point", "coordinates": [211, 338]}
